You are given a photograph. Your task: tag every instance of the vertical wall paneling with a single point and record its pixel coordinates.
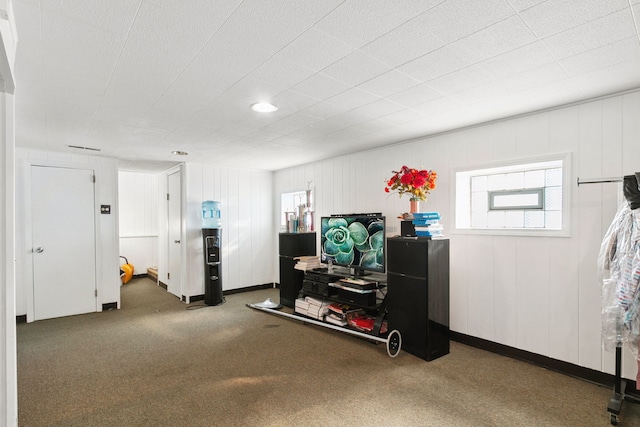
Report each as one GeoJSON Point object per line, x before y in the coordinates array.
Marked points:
{"type": "Point", "coordinates": [611, 155]}
{"type": "Point", "coordinates": [502, 144]}
{"type": "Point", "coordinates": [480, 289]}
{"type": "Point", "coordinates": [532, 135]}
{"type": "Point", "coordinates": [247, 211]}
{"type": "Point", "coordinates": [459, 283]}
{"type": "Point", "coordinates": [504, 256]}
{"type": "Point", "coordinates": [193, 271]}
{"type": "Point", "coordinates": [9, 213]}
{"type": "Point", "coordinates": [630, 164]}
{"type": "Point", "coordinates": [589, 233]}
{"type": "Point", "coordinates": [539, 294]}
{"type": "Point", "coordinates": [532, 295]}
{"type": "Point", "coordinates": [340, 176]}
{"type": "Point", "coordinates": [331, 188]}
{"type": "Point", "coordinates": [611, 146]}
{"type": "Point", "coordinates": [563, 304]}
{"type": "Point", "coordinates": [233, 249]}
{"type": "Point", "coordinates": [248, 214]}
{"type": "Point", "coordinates": [630, 132]}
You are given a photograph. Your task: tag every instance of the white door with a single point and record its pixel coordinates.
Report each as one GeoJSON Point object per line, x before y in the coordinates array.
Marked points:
{"type": "Point", "coordinates": [175, 222]}
{"type": "Point", "coordinates": [63, 242]}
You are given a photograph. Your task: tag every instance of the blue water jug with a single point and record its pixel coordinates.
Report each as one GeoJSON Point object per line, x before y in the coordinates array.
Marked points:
{"type": "Point", "coordinates": [211, 214]}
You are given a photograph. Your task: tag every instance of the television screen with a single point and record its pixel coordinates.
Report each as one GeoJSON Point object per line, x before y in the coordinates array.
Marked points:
{"type": "Point", "coordinates": [355, 241]}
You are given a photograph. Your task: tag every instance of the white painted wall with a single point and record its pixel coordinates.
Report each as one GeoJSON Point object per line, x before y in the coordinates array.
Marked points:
{"type": "Point", "coordinates": [248, 245]}
{"type": "Point", "coordinates": [539, 294]}
{"type": "Point", "coordinates": [8, 365]}
{"type": "Point", "coordinates": [107, 250]}
{"type": "Point", "coordinates": [138, 219]}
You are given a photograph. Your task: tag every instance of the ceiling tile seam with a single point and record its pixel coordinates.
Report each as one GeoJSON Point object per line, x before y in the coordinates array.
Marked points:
{"type": "Point", "coordinates": [400, 25]}
{"type": "Point", "coordinates": [355, 49]}
{"type": "Point", "coordinates": [546, 48]}
{"type": "Point", "coordinates": [421, 82]}
{"type": "Point", "coordinates": [448, 44]}
{"type": "Point", "coordinates": [257, 66]}
{"type": "Point", "coordinates": [198, 52]}
{"type": "Point", "coordinates": [425, 82]}
{"type": "Point", "coordinates": [526, 8]}
{"type": "Point", "coordinates": [44, 67]}
{"type": "Point", "coordinates": [635, 21]}
{"type": "Point", "coordinates": [329, 65]}
{"type": "Point", "coordinates": [575, 26]}
{"type": "Point", "coordinates": [583, 101]}
{"type": "Point", "coordinates": [183, 70]}
{"type": "Point", "coordinates": [113, 70]}
{"type": "Point", "coordinates": [516, 13]}
{"type": "Point", "coordinates": [600, 47]}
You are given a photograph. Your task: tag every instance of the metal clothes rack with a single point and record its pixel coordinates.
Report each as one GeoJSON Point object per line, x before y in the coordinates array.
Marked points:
{"type": "Point", "coordinates": [619, 393]}
{"type": "Point", "coordinates": [598, 180]}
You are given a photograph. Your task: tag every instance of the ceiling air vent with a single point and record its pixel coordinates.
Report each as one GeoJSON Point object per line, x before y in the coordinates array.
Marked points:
{"type": "Point", "coordinates": [84, 148]}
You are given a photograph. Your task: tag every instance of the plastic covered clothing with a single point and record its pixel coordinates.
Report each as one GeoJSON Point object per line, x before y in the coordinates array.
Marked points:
{"type": "Point", "coordinates": [619, 268]}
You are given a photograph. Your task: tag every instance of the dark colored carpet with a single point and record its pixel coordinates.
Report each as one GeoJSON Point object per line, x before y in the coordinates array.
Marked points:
{"type": "Point", "coordinates": [155, 363]}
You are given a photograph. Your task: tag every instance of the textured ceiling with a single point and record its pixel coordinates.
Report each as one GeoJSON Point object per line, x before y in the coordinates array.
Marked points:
{"type": "Point", "coordinates": [139, 79]}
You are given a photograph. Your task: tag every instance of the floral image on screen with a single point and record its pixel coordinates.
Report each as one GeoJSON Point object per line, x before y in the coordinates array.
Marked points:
{"type": "Point", "coordinates": [353, 241]}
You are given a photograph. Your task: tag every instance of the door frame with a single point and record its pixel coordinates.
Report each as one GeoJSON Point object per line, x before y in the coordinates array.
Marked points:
{"type": "Point", "coordinates": [167, 243]}
{"type": "Point", "coordinates": [27, 240]}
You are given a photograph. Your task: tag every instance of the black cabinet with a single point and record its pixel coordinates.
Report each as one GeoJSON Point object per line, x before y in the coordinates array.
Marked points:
{"type": "Point", "coordinates": [418, 294]}
{"type": "Point", "coordinates": [292, 245]}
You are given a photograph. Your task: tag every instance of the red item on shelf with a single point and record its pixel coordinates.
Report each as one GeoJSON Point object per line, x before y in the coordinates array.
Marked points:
{"type": "Point", "coordinates": [363, 322]}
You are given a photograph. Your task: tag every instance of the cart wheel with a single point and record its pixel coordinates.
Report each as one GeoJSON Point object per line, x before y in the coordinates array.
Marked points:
{"type": "Point", "coordinates": [394, 343]}
{"type": "Point", "coordinates": [614, 419]}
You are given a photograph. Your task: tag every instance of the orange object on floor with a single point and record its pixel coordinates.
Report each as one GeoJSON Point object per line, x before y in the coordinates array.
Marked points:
{"type": "Point", "coordinates": [126, 271]}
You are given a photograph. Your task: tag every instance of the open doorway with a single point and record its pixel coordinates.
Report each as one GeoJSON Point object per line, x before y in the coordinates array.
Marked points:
{"type": "Point", "coordinates": [139, 221]}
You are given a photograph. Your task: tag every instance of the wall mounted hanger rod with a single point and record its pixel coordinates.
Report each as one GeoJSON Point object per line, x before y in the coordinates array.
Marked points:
{"type": "Point", "coordinates": [599, 180]}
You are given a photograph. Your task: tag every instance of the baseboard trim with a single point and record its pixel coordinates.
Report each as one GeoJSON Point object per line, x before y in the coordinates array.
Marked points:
{"type": "Point", "coordinates": [195, 298]}
{"type": "Point", "coordinates": [580, 372]}
{"type": "Point", "coordinates": [110, 306]}
{"type": "Point", "coordinates": [162, 285]}
{"type": "Point", "coordinates": [21, 318]}
{"type": "Point", "coordinates": [248, 289]}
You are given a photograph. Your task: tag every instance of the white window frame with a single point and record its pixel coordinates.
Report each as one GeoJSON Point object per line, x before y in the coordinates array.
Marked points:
{"type": "Point", "coordinates": [539, 192]}
{"type": "Point", "coordinates": [289, 202]}
{"type": "Point", "coordinates": [461, 190]}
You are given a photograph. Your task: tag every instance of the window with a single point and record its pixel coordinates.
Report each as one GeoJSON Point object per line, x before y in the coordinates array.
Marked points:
{"type": "Point", "coordinates": [293, 205]}
{"type": "Point", "coordinates": [516, 199]}
{"type": "Point", "coordinates": [519, 198]}
{"type": "Point", "coordinates": [289, 204]}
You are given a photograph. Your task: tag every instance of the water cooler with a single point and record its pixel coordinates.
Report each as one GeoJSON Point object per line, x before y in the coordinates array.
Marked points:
{"type": "Point", "coordinates": [211, 236]}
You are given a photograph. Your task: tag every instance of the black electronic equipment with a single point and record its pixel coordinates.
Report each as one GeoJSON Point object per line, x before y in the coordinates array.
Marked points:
{"type": "Point", "coordinates": [293, 245]}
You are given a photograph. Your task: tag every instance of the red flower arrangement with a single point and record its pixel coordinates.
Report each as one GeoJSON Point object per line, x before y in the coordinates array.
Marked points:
{"type": "Point", "coordinates": [418, 183]}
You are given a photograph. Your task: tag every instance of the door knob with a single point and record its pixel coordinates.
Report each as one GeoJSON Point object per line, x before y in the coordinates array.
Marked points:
{"type": "Point", "coordinates": [176, 241]}
{"type": "Point", "coordinates": [39, 249]}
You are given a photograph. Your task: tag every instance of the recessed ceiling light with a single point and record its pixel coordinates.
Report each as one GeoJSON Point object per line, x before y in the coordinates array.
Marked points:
{"type": "Point", "coordinates": [179, 153]}
{"type": "Point", "coordinates": [264, 107]}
